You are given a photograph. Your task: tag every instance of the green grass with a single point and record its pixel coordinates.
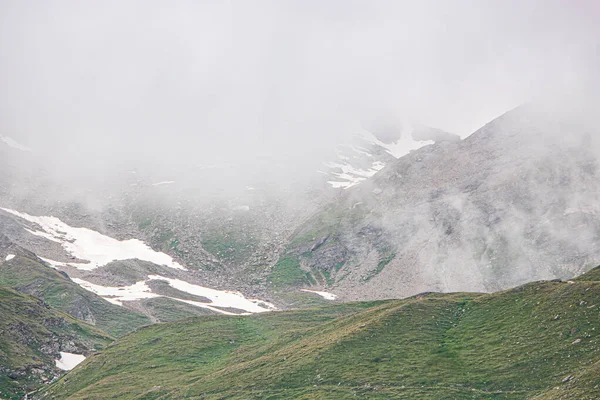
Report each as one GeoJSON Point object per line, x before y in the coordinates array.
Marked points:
{"type": "Point", "coordinates": [31, 334]}
{"type": "Point", "coordinates": [383, 262]}
{"type": "Point", "coordinates": [320, 225]}
{"type": "Point", "coordinates": [29, 276]}
{"type": "Point", "coordinates": [229, 243]}
{"type": "Point", "coordinates": [515, 344]}
{"type": "Point", "coordinates": [295, 299]}
{"type": "Point", "coordinates": [287, 272]}
{"type": "Point", "coordinates": [591, 275]}
{"type": "Point", "coordinates": [167, 310]}
{"type": "Point", "coordinates": [329, 221]}
{"type": "Point", "coordinates": [319, 235]}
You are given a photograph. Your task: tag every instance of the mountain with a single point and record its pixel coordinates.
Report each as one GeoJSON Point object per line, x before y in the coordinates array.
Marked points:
{"type": "Point", "coordinates": [37, 343]}
{"type": "Point", "coordinates": [513, 202]}
{"type": "Point", "coordinates": [427, 212]}
{"type": "Point", "coordinates": [118, 285]}
{"type": "Point", "coordinates": [516, 201]}
{"type": "Point", "coordinates": [26, 273]}
{"type": "Point", "coordinates": [371, 150]}
{"type": "Point", "coordinates": [536, 341]}
{"type": "Point", "coordinates": [10, 142]}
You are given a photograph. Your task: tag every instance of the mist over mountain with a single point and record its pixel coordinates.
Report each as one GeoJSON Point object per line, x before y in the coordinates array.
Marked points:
{"type": "Point", "coordinates": [192, 163]}
{"type": "Point", "coordinates": [268, 87]}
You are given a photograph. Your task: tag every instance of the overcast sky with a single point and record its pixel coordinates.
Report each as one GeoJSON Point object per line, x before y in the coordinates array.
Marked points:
{"type": "Point", "coordinates": [219, 80]}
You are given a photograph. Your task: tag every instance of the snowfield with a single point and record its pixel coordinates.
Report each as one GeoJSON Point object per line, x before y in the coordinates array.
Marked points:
{"type": "Point", "coordinates": [99, 250]}
{"type": "Point", "coordinates": [163, 183]}
{"type": "Point", "coordinates": [347, 156]}
{"type": "Point", "coordinates": [325, 295]}
{"type": "Point", "coordinates": [398, 148]}
{"type": "Point", "coordinates": [9, 257]}
{"type": "Point", "coordinates": [117, 295]}
{"type": "Point", "coordinates": [217, 298]}
{"type": "Point", "coordinates": [68, 361]}
{"type": "Point", "coordinates": [351, 176]}
{"type": "Point", "coordinates": [92, 246]}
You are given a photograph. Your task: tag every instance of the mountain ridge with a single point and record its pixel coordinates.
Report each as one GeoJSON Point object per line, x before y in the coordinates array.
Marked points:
{"type": "Point", "coordinates": [486, 213]}
{"type": "Point", "coordinates": [534, 341]}
{"type": "Point", "coordinates": [34, 337]}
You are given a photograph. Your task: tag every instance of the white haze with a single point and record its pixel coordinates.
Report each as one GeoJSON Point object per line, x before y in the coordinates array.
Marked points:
{"type": "Point", "coordinates": [268, 87]}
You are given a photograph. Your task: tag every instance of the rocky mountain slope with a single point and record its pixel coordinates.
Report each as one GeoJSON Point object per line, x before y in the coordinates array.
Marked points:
{"type": "Point", "coordinates": [26, 273]}
{"type": "Point", "coordinates": [371, 150]}
{"type": "Point", "coordinates": [82, 272]}
{"type": "Point", "coordinates": [37, 343]}
{"type": "Point", "coordinates": [540, 341]}
{"type": "Point", "coordinates": [516, 201]}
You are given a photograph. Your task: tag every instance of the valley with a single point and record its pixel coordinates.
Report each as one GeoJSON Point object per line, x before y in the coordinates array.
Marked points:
{"type": "Point", "coordinates": [287, 199]}
{"type": "Point", "coordinates": [537, 341]}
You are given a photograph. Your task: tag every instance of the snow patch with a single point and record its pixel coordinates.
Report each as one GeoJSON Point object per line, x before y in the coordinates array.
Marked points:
{"type": "Point", "coordinates": [9, 257]}
{"type": "Point", "coordinates": [52, 263]}
{"type": "Point", "coordinates": [163, 183]}
{"type": "Point", "coordinates": [86, 244]}
{"type": "Point", "coordinates": [349, 156]}
{"type": "Point", "coordinates": [217, 298]}
{"type": "Point", "coordinates": [351, 176]}
{"type": "Point", "coordinates": [342, 185]}
{"type": "Point", "coordinates": [13, 143]}
{"type": "Point", "coordinates": [325, 295]}
{"type": "Point", "coordinates": [398, 148]}
{"type": "Point", "coordinates": [241, 208]}
{"type": "Point", "coordinates": [117, 295]}
{"type": "Point", "coordinates": [68, 361]}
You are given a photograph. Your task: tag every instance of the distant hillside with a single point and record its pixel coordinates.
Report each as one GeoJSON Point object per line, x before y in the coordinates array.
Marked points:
{"type": "Point", "coordinates": [26, 274]}
{"type": "Point", "coordinates": [540, 340]}
{"type": "Point", "coordinates": [514, 202]}
{"type": "Point", "coordinates": [32, 337]}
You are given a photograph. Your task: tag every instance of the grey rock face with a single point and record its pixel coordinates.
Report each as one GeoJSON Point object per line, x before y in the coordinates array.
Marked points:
{"type": "Point", "coordinates": [514, 202]}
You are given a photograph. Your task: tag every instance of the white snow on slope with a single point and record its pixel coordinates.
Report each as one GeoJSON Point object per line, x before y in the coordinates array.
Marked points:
{"type": "Point", "coordinates": [219, 298]}
{"type": "Point", "coordinates": [351, 176]}
{"type": "Point", "coordinates": [68, 361]}
{"type": "Point", "coordinates": [325, 295]}
{"type": "Point", "coordinates": [400, 147]}
{"type": "Point", "coordinates": [13, 143]}
{"type": "Point", "coordinates": [52, 263]}
{"type": "Point", "coordinates": [141, 290]}
{"type": "Point", "coordinates": [117, 295]}
{"type": "Point", "coordinates": [86, 244]}
{"type": "Point", "coordinates": [9, 257]}
{"type": "Point", "coordinates": [163, 183]}
{"type": "Point", "coordinates": [352, 159]}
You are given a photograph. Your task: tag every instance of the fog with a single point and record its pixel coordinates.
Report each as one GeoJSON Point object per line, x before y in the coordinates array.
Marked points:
{"type": "Point", "coordinates": [270, 86]}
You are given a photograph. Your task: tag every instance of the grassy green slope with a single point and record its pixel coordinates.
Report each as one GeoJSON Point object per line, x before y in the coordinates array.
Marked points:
{"type": "Point", "coordinates": [27, 275]}
{"type": "Point", "coordinates": [167, 310]}
{"type": "Point", "coordinates": [515, 344]}
{"type": "Point", "coordinates": [31, 336]}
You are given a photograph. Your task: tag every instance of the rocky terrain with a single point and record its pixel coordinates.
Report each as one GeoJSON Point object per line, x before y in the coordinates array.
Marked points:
{"type": "Point", "coordinates": [515, 201]}
{"type": "Point", "coordinates": [371, 150]}
{"type": "Point", "coordinates": [226, 243]}
{"type": "Point", "coordinates": [34, 339]}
